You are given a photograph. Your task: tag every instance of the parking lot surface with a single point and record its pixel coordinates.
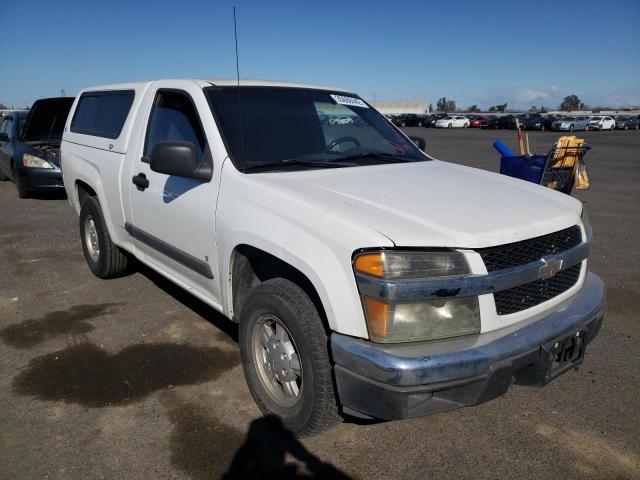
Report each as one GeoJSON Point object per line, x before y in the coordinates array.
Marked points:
{"type": "Point", "coordinates": [133, 378]}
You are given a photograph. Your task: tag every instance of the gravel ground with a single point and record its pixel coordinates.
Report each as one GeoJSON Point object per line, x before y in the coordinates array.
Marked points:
{"type": "Point", "coordinates": [133, 378]}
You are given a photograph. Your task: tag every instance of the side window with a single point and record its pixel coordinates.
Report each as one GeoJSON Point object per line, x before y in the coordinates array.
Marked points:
{"type": "Point", "coordinates": [174, 118]}
{"type": "Point", "coordinates": [7, 126]}
{"type": "Point", "coordinates": [102, 114]}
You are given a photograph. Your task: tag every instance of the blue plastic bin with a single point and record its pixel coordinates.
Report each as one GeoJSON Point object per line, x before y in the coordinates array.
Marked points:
{"type": "Point", "coordinates": [529, 168]}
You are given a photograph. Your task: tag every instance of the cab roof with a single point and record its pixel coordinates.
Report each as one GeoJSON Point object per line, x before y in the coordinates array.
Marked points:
{"type": "Point", "coordinates": [223, 82]}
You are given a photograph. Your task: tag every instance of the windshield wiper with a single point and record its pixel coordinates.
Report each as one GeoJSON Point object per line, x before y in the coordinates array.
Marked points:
{"type": "Point", "coordinates": [338, 163]}
{"type": "Point", "coordinates": [378, 155]}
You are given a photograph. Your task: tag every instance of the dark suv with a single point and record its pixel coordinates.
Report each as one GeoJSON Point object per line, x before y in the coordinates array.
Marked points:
{"type": "Point", "coordinates": [30, 146]}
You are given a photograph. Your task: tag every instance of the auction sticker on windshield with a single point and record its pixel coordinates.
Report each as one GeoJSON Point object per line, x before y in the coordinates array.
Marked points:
{"type": "Point", "coordinates": [350, 101]}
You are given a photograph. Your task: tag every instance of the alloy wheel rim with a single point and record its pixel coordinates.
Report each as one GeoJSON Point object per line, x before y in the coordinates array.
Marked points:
{"type": "Point", "coordinates": [277, 360]}
{"type": "Point", "coordinates": [91, 238]}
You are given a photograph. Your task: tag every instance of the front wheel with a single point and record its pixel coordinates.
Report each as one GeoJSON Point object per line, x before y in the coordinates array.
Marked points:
{"type": "Point", "coordinates": [542, 128]}
{"type": "Point", "coordinates": [612, 127]}
{"type": "Point", "coordinates": [283, 345]}
{"type": "Point", "coordinates": [449, 126]}
{"type": "Point", "coordinates": [571, 128]}
{"type": "Point", "coordinates": [105, 259]}
{"type": "Point", "coordinates": [22, 190]}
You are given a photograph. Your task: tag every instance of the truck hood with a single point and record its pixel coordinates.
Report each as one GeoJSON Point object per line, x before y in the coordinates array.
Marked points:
{"type": "Point", "coordinates": [433, 203]}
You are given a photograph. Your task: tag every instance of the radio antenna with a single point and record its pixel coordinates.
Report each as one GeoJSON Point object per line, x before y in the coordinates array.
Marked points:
{"type": "Point", "coordinates": [235, 34]}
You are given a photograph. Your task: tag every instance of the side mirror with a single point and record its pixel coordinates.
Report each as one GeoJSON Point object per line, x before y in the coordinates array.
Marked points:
{"type": "Point", "coordinates": [4, 137]}
{"type": "Point", "coordinates": [419, 141]}
{"type": "Point", "coordinates": [179, 159]}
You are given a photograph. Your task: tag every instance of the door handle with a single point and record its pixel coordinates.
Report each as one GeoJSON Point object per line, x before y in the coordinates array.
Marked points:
{"type": "Point", "coordinates": [140, 181]}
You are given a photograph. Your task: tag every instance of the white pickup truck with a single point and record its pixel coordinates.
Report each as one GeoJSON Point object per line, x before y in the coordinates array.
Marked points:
{"type": "Point", "coordinates": [367, 278]}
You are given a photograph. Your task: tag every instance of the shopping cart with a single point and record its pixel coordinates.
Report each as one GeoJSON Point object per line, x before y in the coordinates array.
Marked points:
{"type": "Point", "coordinates": [556, 170]}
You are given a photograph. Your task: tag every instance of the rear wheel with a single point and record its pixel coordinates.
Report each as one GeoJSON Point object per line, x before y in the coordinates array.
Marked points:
{"type": "Point", "coordinates": [612, 127]}
{"type": "Point", "coordinates": [542, 127]}
{"type": "Point", "coordinates": [23, 192]}
{"type": "Point", "coordinates": [571, 128]}
{"type": "Point", "coordinates": [284, 352]}
{"type": "Point", "coordinates": [449, 126]}
{"type": "Point", "coordinates": [105, 259]}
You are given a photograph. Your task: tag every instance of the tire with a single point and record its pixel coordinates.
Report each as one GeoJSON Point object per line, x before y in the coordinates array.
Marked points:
{"type": "Point", "coordinates": [450, 126]}
{"type": "Point", "coordinates": [626, 127]}
{"type": "Point", "coordinates": [637, 126]}
{"type": "Point", "coordinates": [23, 192]}
{"type": "Point", "coordinates": [612, 128]}
{"type": "Point", "coordinates": [542, 128]}
{"type": "Point", "coordinates": [105, 259]}
{"type": "Point", "coordinates": [586, 128]}
{"type": "Point", "coordinates": [313, 408]}
{"type": "Point", "coordinates": [571, 128]}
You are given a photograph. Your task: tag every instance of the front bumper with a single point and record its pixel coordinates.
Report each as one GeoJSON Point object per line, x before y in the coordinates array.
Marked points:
{"type": "Point", "coordinates": [37, 179]}
{"type": "Point", "coordinates": [421, 378]}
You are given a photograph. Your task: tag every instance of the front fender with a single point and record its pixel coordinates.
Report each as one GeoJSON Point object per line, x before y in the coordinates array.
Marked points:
{"type": "Point", "coordinates": [311, 239]}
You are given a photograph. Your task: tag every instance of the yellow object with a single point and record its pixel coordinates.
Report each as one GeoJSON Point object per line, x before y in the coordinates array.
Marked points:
{"type": "Point", "coordinates": [370, 264]}
{"type": "Point", "coordinates": [566, 153]}
{"type": "Point", "coordinates": [377, 317]}
{"type": "Point", "coordinates": [582, 177]}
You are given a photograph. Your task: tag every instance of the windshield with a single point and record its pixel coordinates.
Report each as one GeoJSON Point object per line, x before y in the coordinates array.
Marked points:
{"type": "Point", "coordinates": [304, 128]}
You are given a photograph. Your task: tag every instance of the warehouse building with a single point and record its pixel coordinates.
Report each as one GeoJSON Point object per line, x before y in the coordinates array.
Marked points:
{"type": "Point", "coordinates": [397, 107]}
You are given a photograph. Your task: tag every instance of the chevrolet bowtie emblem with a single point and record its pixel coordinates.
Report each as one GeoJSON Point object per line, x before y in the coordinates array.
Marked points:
{"type": "Point", "coordinates": [549, 269]}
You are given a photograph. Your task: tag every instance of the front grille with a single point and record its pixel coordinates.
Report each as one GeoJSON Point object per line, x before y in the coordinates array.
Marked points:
{"type": "Point", "coordinates": [531, 294]}
{"type": "Point", "coordinates": [527, 251]}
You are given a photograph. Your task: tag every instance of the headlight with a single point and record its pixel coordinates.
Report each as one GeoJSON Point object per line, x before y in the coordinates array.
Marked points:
{"type": "Point", "coordinates": [424, 320]}
{"type": "Point", "coordinates": [31, 161]}
{"type": "Point", "coordinates": [395, 265]}
{"type": "Point", "coordinates": [407, 322]}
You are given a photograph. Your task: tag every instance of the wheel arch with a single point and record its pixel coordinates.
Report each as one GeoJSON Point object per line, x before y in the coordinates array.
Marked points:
{"type": "Point", "coordinates": [249, 266]}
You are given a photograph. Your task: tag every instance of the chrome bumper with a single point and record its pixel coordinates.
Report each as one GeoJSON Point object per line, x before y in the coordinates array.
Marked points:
{"type": "Point", "coordinates": [420, 372]}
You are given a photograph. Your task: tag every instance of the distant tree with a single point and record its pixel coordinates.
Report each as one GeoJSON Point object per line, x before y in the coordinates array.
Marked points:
{"type": "Point", "coordinates": [3, 107]}
{"type": "Point", "coordinates": [473, 108]}
{"type": "Point", "coordinates": [445, 105]}
{"type": "Point", "coordinates": [498, 108]}
{"type": "Point", "coordinates": [543, 109]}
{"type": "Point", "coordinates": [571, 103]}
{"type": "Point", "coordinates": [430, 107]}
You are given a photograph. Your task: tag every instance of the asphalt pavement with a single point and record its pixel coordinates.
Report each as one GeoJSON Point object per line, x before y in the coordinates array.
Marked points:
{"type": "Point", "coordinates": [133, 378]}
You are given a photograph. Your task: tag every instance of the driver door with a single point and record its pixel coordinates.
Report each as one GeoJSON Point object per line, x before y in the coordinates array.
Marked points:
{"type": "Point", "coordinates": [173, 218]}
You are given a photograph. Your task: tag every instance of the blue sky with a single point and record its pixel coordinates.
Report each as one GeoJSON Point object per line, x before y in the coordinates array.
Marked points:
{"type": "Point", "coordinates": [475, 52]}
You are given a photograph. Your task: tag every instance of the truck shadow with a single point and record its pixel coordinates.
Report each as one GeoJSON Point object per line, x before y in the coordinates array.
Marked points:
{"type": "Point", "coordinates": [73, 321]}
{"type": "Point", "coordinates": [226, 326]}
{"type": "Point", "coordinates": [88, 375]}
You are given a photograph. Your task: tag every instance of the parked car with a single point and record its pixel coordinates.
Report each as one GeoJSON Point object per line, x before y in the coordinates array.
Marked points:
{"type": "Point", "coordinates": [478, 121]}
{"type": "Point", "coordinates": [433, 118]}
{"type": "Point", "coordinates": [452, 121]}
{"type": "Point", "coordinates": [533, 122]}
{"type": "Point", "coordinates": [30, 153]}
{"type": "Point", "coordinates": [353, 293]}
{"type": "Point", "coordinates": [410, 120]}
{"type": "Point", "coordinates": [625, 122]}
{"type": "Point", "coordinates": [540, 122]}
{"type": "Point", "coordinates": [602, 123]}
{"type": "Point", "coordinates": [571, 123]}
{"type": "Point", "coordinates": [504, 121]}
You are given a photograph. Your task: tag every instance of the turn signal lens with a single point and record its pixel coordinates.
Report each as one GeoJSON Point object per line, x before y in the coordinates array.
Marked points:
{"type": "Point", "coordinates": [398, 265]}
{"type": "Point", "coordinates": [370, 264]}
